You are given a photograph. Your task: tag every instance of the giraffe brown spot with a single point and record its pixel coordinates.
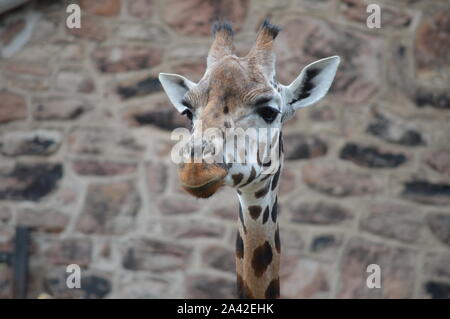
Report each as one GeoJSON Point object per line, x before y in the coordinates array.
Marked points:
{"type": "Point", "coordinates": [239, 246]}
{"type": "Point", "coordinates": [251, 177]}
{"type": "Point", "coordinates": [263, 191]}
{"type": "Point", "coordinates": [266, 215]}
{"type": "Point", "coordinates": [273, 290]}
{"type": "Point", "coordinates": [237, 178]}
{"type": "Point", "coordinates": [255, 211]}
{"type": "Point", "coordinates": [243, 290]}
{"type": "Point", "coordinates": [276, 177]}
{"type": "Point", "coordinates": [275, 210]}
{"type": "Point", "coordinates": [277, 240]}
{"type": "Point", "coordinates": [262, 257]}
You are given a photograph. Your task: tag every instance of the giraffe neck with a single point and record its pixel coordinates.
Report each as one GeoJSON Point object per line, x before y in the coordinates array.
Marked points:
{"type": "Point", "coordinates": [258, 241]}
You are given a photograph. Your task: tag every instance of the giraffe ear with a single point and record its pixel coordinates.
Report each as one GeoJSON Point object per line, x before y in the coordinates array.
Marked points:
{"type": "Point", "coordinates": [176, 86]}
{"type": "Point", "coordinates": [313, 83]}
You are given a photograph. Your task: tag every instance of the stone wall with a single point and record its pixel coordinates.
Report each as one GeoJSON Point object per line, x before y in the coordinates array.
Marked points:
{"type": "Point", "coordinates": [85, 145]}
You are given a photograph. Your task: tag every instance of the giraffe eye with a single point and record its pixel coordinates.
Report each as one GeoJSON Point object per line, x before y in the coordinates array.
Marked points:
{"type": "Point", "coordinates": [269, 114]}
{"type": "Point", "coordinates": [188, 113]}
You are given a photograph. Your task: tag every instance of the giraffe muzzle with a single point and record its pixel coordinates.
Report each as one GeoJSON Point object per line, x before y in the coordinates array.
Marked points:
{"type": "Point", "coordinates": [200, 179]}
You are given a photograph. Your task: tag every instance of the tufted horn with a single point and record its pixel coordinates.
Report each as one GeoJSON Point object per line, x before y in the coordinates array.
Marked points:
{"type": "Point", "coordinates": [262, 54]}
{"type": "Point", "coordinates": [223, 42]}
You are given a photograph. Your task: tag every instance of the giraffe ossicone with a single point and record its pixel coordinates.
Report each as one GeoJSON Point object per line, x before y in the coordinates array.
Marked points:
{"type": "Point", "coordinates": [242, 93]}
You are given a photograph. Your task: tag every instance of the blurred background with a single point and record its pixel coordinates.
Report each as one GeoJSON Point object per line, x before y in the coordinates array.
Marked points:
{"type": "Point", "coordinates": [85, 149]}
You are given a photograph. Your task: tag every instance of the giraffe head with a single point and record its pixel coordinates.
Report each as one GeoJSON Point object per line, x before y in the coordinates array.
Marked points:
{"type": "Point", "coordinates": [237, 94]}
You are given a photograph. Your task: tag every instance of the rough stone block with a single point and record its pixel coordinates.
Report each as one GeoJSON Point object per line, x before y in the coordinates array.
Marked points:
{"type": "Point", "coordinates": [12, 107]}
{"type": "Point", "coordinates": [37, 142]}
{"type": "Point", "coordinates": [339, 182]}
{"type": "Point", "coordinates": [155, 255]}
{"type": "Point", "coordinates": [110, 208]}
{"type": "Point", "coordinates": [29, 181]}
{"type": "Point", "coordinates": [397, 270]}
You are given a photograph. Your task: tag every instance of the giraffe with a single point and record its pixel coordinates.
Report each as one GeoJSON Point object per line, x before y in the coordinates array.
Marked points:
{"type": "Point", "coordinates": [242, 92]}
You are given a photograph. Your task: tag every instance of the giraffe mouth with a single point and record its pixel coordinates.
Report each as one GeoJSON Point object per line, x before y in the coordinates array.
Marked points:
{"type": "Point", "coordinates": [206, 190]}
